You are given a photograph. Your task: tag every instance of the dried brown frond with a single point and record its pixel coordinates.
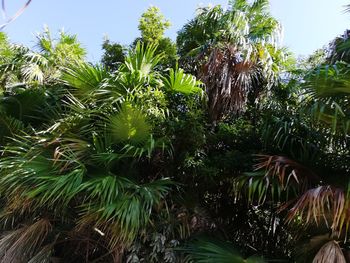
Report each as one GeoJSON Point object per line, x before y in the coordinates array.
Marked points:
{"type": "Point", "coordinates": [87, 242]}
{"type": "Point", "coordinates": [229, 79]}
{"type": "Point", "coordinates": [109, 232]}
{"type": "Point", "coordinates": [330, 252]}
{"type": "Point", "coordinates": [323, 204]}
{"type": "Point", "coordinates": [16, 207]}
{"type": "Point", "coordinates": [22, 244]}
{"type": "Point", "coordinates": [107, 235]}
{"type": "Point", "coordinates": [277, 178]}
{"type": "Point", "coordinates": [44, 255]}
{"type": "Point", "coordinates": [69, 152]}
{"type": "Point", "coordinates": [286, 170]}
{"type": "Point", "coordinates": [17, 203]}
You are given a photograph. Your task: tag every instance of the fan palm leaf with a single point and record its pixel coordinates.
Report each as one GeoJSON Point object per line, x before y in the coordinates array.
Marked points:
{"type": "Point", "coordinates": [210, 251]}
{"type": "Point", "coordinates": [178, 81]}
{"type": "Point", "coordinates": [327, 90]}
{"type": "Point", "coordinates": [130, 125]}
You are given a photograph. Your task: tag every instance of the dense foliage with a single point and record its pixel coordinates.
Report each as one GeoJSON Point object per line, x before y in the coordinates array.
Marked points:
{"type": "Point", "coordinates": [237, 153]}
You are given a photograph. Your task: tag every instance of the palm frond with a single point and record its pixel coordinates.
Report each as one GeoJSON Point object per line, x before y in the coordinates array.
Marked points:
{"type": "Point", "coordinates": [291, 135]}
{"type": "Point", "coordinates": [277, 178]}
{"type": "Point", "coordinates": [259, 6]}
{"type": "Point", "coordinates": [325, 204]}
{"type": "Point", "coordinates": [54, 191]}
{"type": "Point", "coordinates": [327, 90]}
{"type": "Point", "coordinates": [125, 214]}
{"type": "Point", "coordinates": [286, 170]}
{"type": "Point", "coordinates": [329, 81]}
{"type": "Point", "coordinates": [178, 81]}
{"type": "Point", "coordinates": [212, 251]}
{"type": "Point", "coordinates": [106, 188]}
{"type": "Point", "coordinates": [238, 51]}
{"type": "Point", "coordinates": [229, 80]}
{"type": "Point", "coordinates": [129, 125]}
{"type": "Point", "coordinates": [85, 78]}
{"type": "Point", "coordinates": [10, 126]}
{"type": "Point", "coordinates": [33, 73]}
{"type": "Point", "coordinates": [138, 69]}
{"type": "Point", "coordinates": [142, 59]}
{"type": "Point", "coordinates": [257, 187]}
{"type": "Point", "coordinates": [33, 175]}
{"type": "Point", "coordinates": [44, 255]}
{"type": "Point", "coordinates": [68, 49]}
{"type": "Point", "coordinates": [147, 148]}
{"type": "Point", "coordinates": [45, 41]}
{"type": "Point", "coordinates": [241, 5]}
{"type": "Point", "coordinates": [63, 50]}
{"type": "Point", "coordinates": [22, 244]}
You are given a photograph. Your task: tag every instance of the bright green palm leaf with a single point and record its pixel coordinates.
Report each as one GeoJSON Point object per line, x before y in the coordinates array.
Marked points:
{"type": "Point", "coordinates": [130, 125]}
{"type": "Point", "coordinates": [178, 81]}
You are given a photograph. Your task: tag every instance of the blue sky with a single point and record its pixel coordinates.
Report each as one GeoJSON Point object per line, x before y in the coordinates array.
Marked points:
{"type": "Point", "coordinates": [308, 24]}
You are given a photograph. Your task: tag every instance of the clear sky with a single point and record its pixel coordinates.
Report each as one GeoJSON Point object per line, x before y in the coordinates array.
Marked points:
{"type": "Point", "coordinates": [308, 24]}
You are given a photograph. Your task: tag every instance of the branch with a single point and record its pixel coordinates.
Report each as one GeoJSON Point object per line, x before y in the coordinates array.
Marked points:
{"type": "Point", "coordinates": [15, 16]}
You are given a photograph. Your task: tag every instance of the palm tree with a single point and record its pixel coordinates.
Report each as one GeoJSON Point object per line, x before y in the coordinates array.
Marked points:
{"type": "Point", "coordinates": [88, 182]}
{"type": "Point", "coordinates": [31, 67]}
{"type": "Point", "coordinates": [23, 75]}
{"type": "Point", "coordinates": [238, 53]}
{"type": "Point", "coordinates": [312, 187]}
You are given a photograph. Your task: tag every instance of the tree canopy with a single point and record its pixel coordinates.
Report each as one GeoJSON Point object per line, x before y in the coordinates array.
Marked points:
{"type": "Point", "coordinates": [221, 147]}
{"type": "Point", "coordinates": [152, 25]}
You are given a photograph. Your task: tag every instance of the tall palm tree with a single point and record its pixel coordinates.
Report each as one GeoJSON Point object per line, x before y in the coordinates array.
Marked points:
{"type": "Point", "coordinates": [238, 53]}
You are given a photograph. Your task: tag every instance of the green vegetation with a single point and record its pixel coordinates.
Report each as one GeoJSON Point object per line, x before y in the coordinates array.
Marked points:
{"type": "Point", "coordinates": [219, 148]}
{"type": "Point", "coordinates": [152, 25]}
